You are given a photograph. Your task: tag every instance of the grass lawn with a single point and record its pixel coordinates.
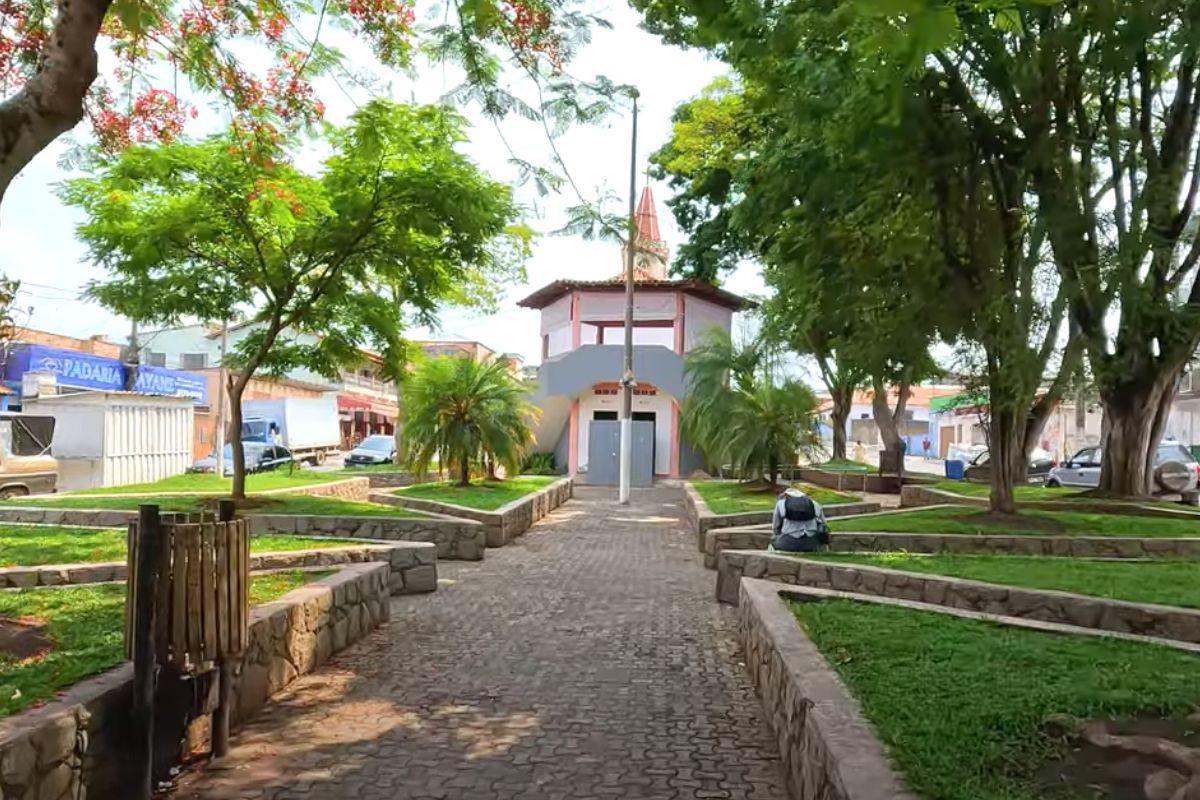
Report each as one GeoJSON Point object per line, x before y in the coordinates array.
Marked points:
{"type": "Point", "coordinates": [483, 495]}
{"type": "Point", "coordinates": [844, 465]}
{"type": "Point", "coordinates": [86, 625]}
{"type": "Point", "coordinates": [209, 483]}
{"type": "Point", "coordinates": [1173, 583]}
{"type": "Point", "coordinates": [732, 497]}
{"type": "Point", "coordinates": [960, 703]}
{"type": "Point", "coordinates": [269, 504]}
{"type": "Point", "coordinates": [969, 489]}
{"type": "Point", "coordinates": [1032, 522]}
{"type": "Point", "coordinates": [35, 545]}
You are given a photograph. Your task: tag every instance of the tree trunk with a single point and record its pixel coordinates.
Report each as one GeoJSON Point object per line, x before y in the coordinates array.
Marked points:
{"type": "Point", "coordinates": [400, 456]}
{"type": "Point", "coordinates": [838, 419]}
{"type": "Point", "coordinates": [464, 471]}
{"type": "Point", "coordinates": [51, 102]}
{"type": "Point", "coordinates": [1135, 416]}
{"type": "Point", "coordinates": [773, 468]}
{"type": "Point", "coordinates": [236, 389]}
{"type": "Point", "coordinates": [1006, 447]}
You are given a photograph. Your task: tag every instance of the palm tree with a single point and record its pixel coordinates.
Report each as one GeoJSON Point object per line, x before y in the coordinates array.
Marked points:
{"type": "Point", "coordinates": [737, 413]}
{"type": "Point", "coordinates": [465, 412]}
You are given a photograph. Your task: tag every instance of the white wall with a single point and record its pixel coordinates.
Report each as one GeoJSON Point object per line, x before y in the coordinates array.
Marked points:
{"type": "Point", "coordinates": [660, 404]}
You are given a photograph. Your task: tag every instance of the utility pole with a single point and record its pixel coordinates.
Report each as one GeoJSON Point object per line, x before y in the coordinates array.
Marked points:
{"type": "Point", "coordinates": [219, 435]}
{"type": "Point", "coordinates": [627, 381]}
{"type": "Point", "coordinates": [135, 357]}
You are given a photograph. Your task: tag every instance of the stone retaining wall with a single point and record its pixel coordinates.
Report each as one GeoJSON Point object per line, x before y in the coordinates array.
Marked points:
{"type": "Point", "coordinates": [748, 538]}
{"type": "Point", "coordinates": [502, 525]}
{"type": "Point", "coordinates": [80, 517]}
{"type": "Point", "coordinates": [851, 481]}
{"type": "Point", "coordinates": [75, 746]}
{"type": "Point", "coordinates": [829, 752]}
{"type": "Point", "coordinates": [456, 539]}
{"type": "Point", "coordinates": [1064, 608]}
{"type": "Point", "coordinates": [388, 480]}
{"type": "Point", "coordinates": [924, 496]}
{"type": "Point", "coordinates": [345, 489]}
{"type": "Point", "coordinates": [413, 566]}
{"type": "Point", "coordinates": [1072, 546]}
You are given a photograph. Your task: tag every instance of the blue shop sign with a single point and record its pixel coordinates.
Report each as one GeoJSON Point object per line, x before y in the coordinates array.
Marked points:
{"type": "Point", "coordinates": [82, 371]}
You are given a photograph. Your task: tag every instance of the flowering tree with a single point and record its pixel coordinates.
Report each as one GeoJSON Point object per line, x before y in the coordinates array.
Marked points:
{"type": "Point", "coordinates": [50, 78]}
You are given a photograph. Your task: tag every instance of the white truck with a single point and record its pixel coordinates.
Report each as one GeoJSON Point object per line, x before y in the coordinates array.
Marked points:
{"type": "Point", "coordinates": [308, 426]}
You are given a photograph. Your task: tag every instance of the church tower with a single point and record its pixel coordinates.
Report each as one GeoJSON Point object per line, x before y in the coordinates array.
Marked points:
{"type": "Point", "coordinates": [650, 252]}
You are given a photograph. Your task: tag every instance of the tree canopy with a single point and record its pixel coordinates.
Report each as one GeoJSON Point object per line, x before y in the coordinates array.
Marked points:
{"type": "Point", "coordinates": [209, 230]}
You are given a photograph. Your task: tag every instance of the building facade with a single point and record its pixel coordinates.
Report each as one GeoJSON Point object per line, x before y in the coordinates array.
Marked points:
{"type": "Point", "coordinates": [583, 329]}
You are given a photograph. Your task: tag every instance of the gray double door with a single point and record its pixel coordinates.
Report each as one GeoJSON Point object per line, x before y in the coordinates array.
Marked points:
{"type": "Point", "coordinates": [604, 448]}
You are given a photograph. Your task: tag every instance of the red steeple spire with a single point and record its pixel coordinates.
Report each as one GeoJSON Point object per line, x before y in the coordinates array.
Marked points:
{"type": "Point", "coordinates": [647, 218]}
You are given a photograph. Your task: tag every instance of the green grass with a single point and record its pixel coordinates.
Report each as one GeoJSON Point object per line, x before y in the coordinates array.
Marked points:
{"type": "Point", "coordinates": [844, 465]}
{"type": "Point", "coordinates": [960, 703]}
{"type": "Point", "coordinates": [969, 520]}
{"type": "Point", "coordinates": [732, 497]}
{"type": "Point", "coordinates": [262, 504]}
{"type": "Point", "coordinates": [86, 625]}
{"type": "Point", "coordinates": [484, 495]}
{"type": "Point", "coordinates": [970, 489]}
{"type": "Point", "coordinates": [209, 483]}
{"type": "Point", "coordinates": [1174, 583]}
{"type": "Point", "coordinates": [36, 545]}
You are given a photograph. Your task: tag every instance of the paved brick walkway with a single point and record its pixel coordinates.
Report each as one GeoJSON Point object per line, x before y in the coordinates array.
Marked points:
{"type": "Point", "coordinates": [585, 660]}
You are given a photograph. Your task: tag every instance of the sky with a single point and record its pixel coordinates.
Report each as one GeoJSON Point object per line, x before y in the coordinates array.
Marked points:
{"type": "Point", "coordinates": [38, 246]}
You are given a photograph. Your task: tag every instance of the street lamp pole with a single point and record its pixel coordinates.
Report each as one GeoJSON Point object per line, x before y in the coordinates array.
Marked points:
{"type": "Point", "coordinates": [627, 382]}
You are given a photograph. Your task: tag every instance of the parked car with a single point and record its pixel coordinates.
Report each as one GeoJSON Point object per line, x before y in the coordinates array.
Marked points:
{"type": "Point", "coordinates": [1175, 469]}
{"type": "Point", "coordinates": [376, 449]}
{"type": "Point", "coordinates": [1040, 464]}
{"type": "Point", "coordinates": [26, 466]}
{"type": "Point", "coordinates": [260, 457]}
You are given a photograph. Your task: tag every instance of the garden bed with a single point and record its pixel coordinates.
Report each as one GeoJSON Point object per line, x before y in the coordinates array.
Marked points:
{"type": "Point", "coordinates": [1049, 604]}
{"type": "Point", "coordinates": [703, 519]}
{"type": "Point", "coordinates": [81, 738]}
{"type": "Point", "coordinates": [967, 520]}
{"type": "Point", "coordinates": [1044, 498]}
{"type": "Point", "coordinates": [36, 545]}
{"type": "Point", "coordinates": [733, 497]}
{"type": "Point", "coordinates": [877, 701]}
{"type": "Point", "coordinates": [977, 729]}
{"type": "Point", "coordinates": [209, 483]}
{"type": "Point", "coordinates": [481, 496]}
{"type": "Point", "coordinates": [254, 504]}
{"type": "Point", "coordinates": [85, 629]}
{"type": "Point", "coordinates": [505, 509]}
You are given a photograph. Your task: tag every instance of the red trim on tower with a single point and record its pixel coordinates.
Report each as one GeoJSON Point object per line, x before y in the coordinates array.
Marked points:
{"type": "Point", "coordinates": [679, 322]}
{"type": "Point", "coordinates": [576, 331]}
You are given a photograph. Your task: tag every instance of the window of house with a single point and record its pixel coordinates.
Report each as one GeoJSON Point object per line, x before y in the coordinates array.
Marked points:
{"type": "Point", "coordinates": [157, 359]}
{"type": "Point", "coordinates": [193, 360]}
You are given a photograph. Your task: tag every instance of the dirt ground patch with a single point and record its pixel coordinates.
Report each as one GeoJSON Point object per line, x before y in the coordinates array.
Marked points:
{"type": "Point", "coordinates": [1124, 759]}
{"type": "Point", "coordinates": [23, 639]}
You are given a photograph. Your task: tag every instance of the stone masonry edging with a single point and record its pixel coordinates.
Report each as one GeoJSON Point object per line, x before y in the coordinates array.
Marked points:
{"type": "Point", "coordinates": [1031, 545]}
{"type": "Point", "coordinates": [1064, 608]}
{"type": "Point", "coordinates": [926, 496]}
{"type": "Point", "coordinates": [413, 566]}
{"type": "Point", "coordinates": [503, 524]}
{"type": "Point", "coordinates": [456, 539]}
{"type": "Point", "coordinates": [75, 746]}
{"type": "Point", "coordinates": [349, 488]}
{"type": "Point", "coordinates": [704, 520]}
{"type": "Point", "coordinates": [829, 751]}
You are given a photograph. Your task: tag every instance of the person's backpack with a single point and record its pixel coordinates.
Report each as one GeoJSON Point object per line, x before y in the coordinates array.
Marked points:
{"type": "Point", "coordinates": [798, 509]}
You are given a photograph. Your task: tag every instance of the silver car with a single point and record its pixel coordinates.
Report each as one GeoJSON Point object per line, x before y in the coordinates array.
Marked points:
{"type": "Point", "coordinates": [1175, 471]}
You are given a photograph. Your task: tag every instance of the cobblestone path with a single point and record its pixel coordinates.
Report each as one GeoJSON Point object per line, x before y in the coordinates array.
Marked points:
{"type": "Point", "coordinates": [585, 660]}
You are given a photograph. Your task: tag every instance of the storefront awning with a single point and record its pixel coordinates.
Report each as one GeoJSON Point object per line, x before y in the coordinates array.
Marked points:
{"type": "Point", "coordinates": [351, 403]}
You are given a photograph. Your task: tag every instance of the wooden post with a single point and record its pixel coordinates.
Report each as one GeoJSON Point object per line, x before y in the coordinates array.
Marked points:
{"type": "Point", "coordinates": [148, 543]}
{"type": "Point", "coordinates": [221, 716]}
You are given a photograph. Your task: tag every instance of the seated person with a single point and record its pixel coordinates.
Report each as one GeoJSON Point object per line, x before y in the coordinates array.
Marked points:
{"type": "Point", "coordinates": [798, 524]}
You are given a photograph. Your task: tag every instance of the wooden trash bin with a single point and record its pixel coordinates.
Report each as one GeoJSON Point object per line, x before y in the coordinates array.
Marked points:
{"type": "Point", "coordinates": [201, 592]}
{"type": "Point", "coordinates": [187, 608]}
